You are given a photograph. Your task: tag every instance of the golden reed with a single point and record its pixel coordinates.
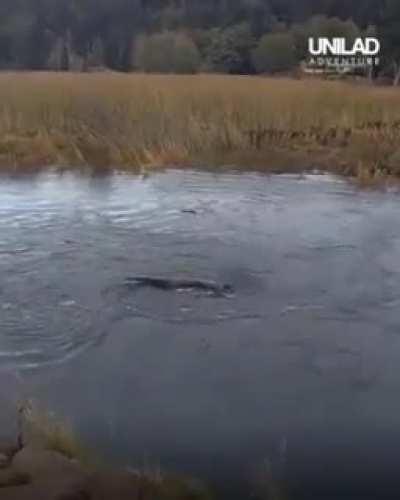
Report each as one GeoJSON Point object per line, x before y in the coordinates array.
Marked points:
{"type": "Point", "coordinates": [109, 120]}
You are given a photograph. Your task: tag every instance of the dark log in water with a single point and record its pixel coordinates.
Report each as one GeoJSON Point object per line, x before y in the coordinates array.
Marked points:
{"type": "Point", "coordinates": [179, 284]}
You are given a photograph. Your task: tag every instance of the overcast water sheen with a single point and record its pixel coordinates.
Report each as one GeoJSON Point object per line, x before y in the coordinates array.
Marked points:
{"type": "Point", "coordinates": [299, 367]}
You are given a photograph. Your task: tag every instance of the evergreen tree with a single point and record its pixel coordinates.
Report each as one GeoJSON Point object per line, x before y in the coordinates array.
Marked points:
{"type": "Point", "coordinates": [224, 31]}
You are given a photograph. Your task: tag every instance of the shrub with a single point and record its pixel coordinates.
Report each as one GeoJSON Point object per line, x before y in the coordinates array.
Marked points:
{"type": "Point", "coordinates": [229, 50]}
{"type": "Point", "coordinates": [275, 53]}
{"type": "Point", "coordinates": [167, 52]}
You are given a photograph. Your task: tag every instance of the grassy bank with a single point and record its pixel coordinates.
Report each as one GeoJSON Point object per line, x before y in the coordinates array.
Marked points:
{"type": "Point", "coordinates": [142, 121]}
{"type": "Point", "coordinates": [47, 461]}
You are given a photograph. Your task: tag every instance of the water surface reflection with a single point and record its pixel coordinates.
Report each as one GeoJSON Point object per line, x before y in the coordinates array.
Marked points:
{"type": "Point", "coordinates": [299, 366]}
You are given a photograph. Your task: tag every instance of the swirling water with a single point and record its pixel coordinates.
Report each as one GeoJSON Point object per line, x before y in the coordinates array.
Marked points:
{"type": "Point", "coordinates": [299, 366]}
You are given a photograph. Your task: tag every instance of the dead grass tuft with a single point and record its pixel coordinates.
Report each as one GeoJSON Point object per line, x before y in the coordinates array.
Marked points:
{"type": "Point", "coordinates": [43, 429]}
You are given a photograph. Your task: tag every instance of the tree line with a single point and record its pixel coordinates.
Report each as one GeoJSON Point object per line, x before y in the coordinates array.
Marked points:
{"type": "Point", "coordinates": [186, 36]}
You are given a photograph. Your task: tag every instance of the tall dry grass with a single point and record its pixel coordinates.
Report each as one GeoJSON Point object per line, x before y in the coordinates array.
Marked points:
{"type": "Point", "coordinates": [43, 429]}
{"type": "Point", "coordinates": [140, 121]}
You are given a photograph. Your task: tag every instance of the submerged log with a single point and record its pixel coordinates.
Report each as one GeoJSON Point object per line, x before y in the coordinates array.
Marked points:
{"type": "Point", "coordinates": [179, 284]}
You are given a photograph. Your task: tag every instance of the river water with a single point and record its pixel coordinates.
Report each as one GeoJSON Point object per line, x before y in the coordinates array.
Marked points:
{"type": "Point", "coordinates": [297, 370]}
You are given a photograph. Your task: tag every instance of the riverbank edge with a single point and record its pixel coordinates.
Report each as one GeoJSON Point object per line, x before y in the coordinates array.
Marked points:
{"type": "Point", "coordinates": [46, 461]}
{"type": "Point", "coordinates": [35, 154]}
{"type": "Point", "coordinates": [31, 472]}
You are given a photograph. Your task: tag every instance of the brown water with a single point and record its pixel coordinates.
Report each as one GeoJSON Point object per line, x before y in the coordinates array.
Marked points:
{"type": "Point", "coordinates": [299, 367]}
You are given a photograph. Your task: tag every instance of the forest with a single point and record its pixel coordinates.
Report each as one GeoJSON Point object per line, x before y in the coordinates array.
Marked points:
{"type": "Point", "coordinates": [186, 36]}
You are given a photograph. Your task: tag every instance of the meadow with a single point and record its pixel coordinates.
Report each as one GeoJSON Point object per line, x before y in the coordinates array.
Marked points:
{"type": "Point", "coordinates": [139, 122]}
